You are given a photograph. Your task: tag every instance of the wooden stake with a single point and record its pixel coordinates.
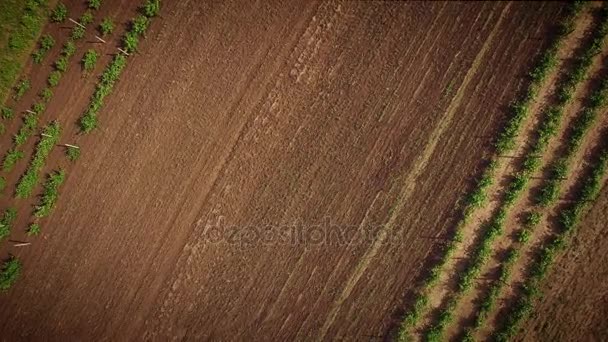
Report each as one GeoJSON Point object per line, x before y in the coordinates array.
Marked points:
{"type": "Point", "coordinates": [45, 135]}
{"type": "Point", "coordinates": [29, 111]}
{"type": "Point", "coordinates": [101, 40]}
{"type": "Point", "coordinates": [123, 51]}
{"type": "Point", "coordinates": [22, 244]}
{"type": "Point", "coordinates": [72, 146]}
{"type": "Point", "coordinates": [77, 23]}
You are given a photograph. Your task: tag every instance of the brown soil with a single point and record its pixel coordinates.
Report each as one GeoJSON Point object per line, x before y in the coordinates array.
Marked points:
{"type": "Point", "coordinates": [373, 115]}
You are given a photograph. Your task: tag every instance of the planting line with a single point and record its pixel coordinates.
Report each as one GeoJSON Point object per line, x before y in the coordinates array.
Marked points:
{"type": "Point", "coordinates": [544, 133]}
{"type": "Point", "coordinates": [438, 274]}
{"type": "Point", "coordinates": [491, 297]}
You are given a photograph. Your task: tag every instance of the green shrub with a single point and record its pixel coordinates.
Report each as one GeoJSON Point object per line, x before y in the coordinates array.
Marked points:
{"type": "Point", "coordinates": [61, 64]}
{"type": "Point", "coordinates": [2, 183]}
{"type": "Point", "coordinates": [60, 13]}
{"type": "Point", "coordinates": [72, 153]}
{"type": "Point", "coordinates": [77, 33]}
{"type": "Point", "coordinates": [89, 60]}
{"type": "Point", "coordinates": [523, 236]}
{"type": "Point", "coordinates": [28, 181]}
{"type": "Point", "coordinates": [50, 194]}
{"type": "Point", "coordinates": [7, 113]}
{"type": "Point", "coordinates": [94, 4]}
{"type": "Point", "coordinates": [140, 24]}
{"type": "Point", "coordinates": [6, 222]}
{"type": "Point", "coordinates": [54, 78]}
{"type": "Point", "coordinates": [106, 27]}
{"type": "Point", "coordinates": [47, 42]}
{"type": "Point", "coordinates": [130, 42]}
{"type": "Point", "coordinates": [532, 219]}
{"type": "Point", "coordinates": [151, 8]}
{"type": "Point", "coordinates": [11, 158]}
{"type": "Point", "coordinates": [33, 229]}
{"type": "Point", "coordinates": [69, 49]}
{"type": "Point", "coordinates": [21, 88]}
{"type": "Point", "coordinates": [46, 94]}
{"type": "Point", "coordinates": [86, 18]}
{"type": "Point", "coordinates": [11, 269]}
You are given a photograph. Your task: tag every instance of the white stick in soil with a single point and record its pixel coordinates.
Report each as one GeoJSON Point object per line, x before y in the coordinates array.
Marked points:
{"type": "Point", "coordinates": [77, 23]}
{"type": "Point", "coordinates": [101, 40]}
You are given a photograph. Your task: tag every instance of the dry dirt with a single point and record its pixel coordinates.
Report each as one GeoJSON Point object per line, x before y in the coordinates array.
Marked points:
{"type": "Point", "coordinates": [260, 115]}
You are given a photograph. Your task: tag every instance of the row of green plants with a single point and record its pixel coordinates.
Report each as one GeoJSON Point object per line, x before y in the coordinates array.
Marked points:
{"type": "Point", "coordinates": [578, 129]}
{"type": "Point", "coordinates": [568, 220]}
{"type": "Point", "coordinates": [45, 43]}
{"type": "Point", "coordinates": [506, 139]}
{"type": "Point", "coordinates": [30, 120]}
{"type": "Point", "coordinates": [478, 196]}
{"type": "Point", "coordinates": [9, 272]}
{"type": "Point", "coordinates": [50, 194]}
{"type": "Point", "coordinates": [558, 170]}
{"type": "Point", "coordinates": [48, 139]}
{"type": "Point", "coordinates": [89, 121]}
{"type": "Point", "coordinates": [546, 130]}
{"type": "Point", "coordinates": [6, 222]}
{"type": "Point", "coordinates": [22, 21]}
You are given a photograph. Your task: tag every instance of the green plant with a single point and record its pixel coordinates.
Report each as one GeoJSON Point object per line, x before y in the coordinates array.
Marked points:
{"type": "Point", "coordinates": [140, 24]}
{"type": "Point", "coordinates": [11, 269]}
{"type": "Point", "coordinates": [7, 113]}
{"type": "Point", "coordinates": [50, 194]}
{"type": "Point", "coordinates": [94, 4]}
{"type": "Point", "coordinates": [2, 183]}
{"type": "Point", "coordinates": [88, 121]}
{"type": "Point", "coordinates": [47, 42]}
{"type": "Point", "coordinates": [86, 18]}
{"type": "Point", "coordinates": [54, 78]}
{"type": "Point", "coordinates": [61, 64]}
{"type": "Point", "coordinates": [151, 8]}
{"type": "Point", "coordinates": [6, 222]}
{"type": "Point", "coordinates": [89, 60]}
{"type": "Point", "coordinates": [33, 229]}
{"type": "Point", "coordinates": [532, 219]}
{"type": "Point", "coordinates": [523, 236]}
{"type": "Point", "coordinates": [60, 13]}
{"type": "Point", "coordinates": [72, 153]}
{"type": "Point", "coordinates": [28, 181]}
{"type": "Point", "coordinates": [69, 48]}
{"type": "Point", "coordinates": [77, 33]}
{"type": "Point", "coordinates": [130, 42]}
{"type": "Point", "coordinates": [106, 27]}
{"type": "Point", "coordinates": [21, 88]}
{"type": "Point", "coordinates": [46, 94]}
{"type": "Point", "coordinates": [11, 158]}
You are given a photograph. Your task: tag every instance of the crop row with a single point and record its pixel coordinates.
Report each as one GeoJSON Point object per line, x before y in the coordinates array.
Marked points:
{"type": "Point", "coordinates": [547, 129]}
{"type": "Point", "coordinates": [505, 143]}
{"type": "Point", "coordinates": [30, 120]}
{"type": "Point", "coordinates": [558, 170]}
{"type": "Point", "coordinates": [579, 127]}
{"type": "Point", "coordinates": [568, 220]}
{"type": "Point", "coordinates": [88, 121]}
{"type": "Point", "coordinates": [28, 181]}
{"type": "Point", "coordinates": [50, 193]}
{"type": "Point", "coordinates": [9, 272]}
{"type": "Point", "coordinates": [548, 61]}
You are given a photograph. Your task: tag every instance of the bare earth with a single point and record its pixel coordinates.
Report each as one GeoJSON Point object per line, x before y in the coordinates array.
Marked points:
{"type": "Point", "coordinates": [374, 117]}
